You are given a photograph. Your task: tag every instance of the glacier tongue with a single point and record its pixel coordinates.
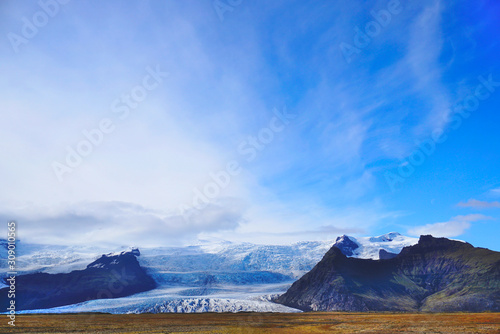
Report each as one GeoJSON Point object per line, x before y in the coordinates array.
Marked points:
{"type": "Point", "coordinates": [189, 305]}
{"type": "Point", "coordinates": [217, 305]}
{"type": "Point", "coordinates": [254, 298]}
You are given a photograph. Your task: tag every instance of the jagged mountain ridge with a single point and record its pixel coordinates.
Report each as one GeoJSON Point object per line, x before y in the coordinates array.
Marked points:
{"type": "Point", "coordinates": [435, 275]}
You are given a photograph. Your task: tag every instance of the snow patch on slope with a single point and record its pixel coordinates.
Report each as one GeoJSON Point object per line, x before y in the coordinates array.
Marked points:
{"type": "Point", "coordinates": [369, 247]}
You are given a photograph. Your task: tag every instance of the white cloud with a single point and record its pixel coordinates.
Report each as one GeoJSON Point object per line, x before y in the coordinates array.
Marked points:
{"type": "Point", "coordinates": [452, 228]}
{"type": "Point", "coordinates": [474, 203]}
{"type": "Point", "coordinates": [120, 223]}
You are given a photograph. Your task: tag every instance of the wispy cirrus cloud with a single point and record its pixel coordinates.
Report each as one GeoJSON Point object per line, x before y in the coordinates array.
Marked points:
{"type": "Point", "coordinates": [495, 192]}
{"type": "Point", "coordinates": [423, 58]}
{"type": "Point", "coordinates": [452, 228]}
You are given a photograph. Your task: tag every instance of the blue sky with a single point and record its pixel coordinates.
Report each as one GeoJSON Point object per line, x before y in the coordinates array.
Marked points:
{"type": "Point", "coordinates": [164, 122]}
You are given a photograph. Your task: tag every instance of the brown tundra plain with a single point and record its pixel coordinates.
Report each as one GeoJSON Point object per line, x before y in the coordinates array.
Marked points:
{"type": "Point", "coordinates": [308, 322]}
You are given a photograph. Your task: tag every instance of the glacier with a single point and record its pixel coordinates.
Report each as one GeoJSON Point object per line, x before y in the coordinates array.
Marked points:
{"type": "Point", "coordinates": [207, 277]}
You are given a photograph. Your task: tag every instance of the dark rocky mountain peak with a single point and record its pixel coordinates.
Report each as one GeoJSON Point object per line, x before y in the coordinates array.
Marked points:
{"type": "Point", "coordinates": [346, 245]}
{"type": "Point", "coordinates": [109, 260]}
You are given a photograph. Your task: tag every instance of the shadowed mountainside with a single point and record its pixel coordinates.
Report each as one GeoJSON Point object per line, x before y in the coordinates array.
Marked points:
{"type": "Point", "coordinates": [435, 275]}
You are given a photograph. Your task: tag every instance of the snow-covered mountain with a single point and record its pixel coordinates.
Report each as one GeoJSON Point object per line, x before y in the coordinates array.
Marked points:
{"type": "Point", "coordinates": [370, 247]}
{"type": "Point", "coordinates": [208, 276]}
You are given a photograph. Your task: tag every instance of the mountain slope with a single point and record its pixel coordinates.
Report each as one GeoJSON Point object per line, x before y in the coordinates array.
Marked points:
{"type": "Point", "coordinates": [436, 275]}
{"type": "Point", "coordinates": [111, 276]}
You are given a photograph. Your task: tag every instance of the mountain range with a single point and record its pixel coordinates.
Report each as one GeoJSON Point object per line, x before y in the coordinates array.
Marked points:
{"type": "Point", "coordinates": [228, 277]}
{"type": "Point", "coordinates": [208, 276]}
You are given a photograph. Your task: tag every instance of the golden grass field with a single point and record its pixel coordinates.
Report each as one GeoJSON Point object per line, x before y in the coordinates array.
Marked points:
{"type": "Point", "coordinates": [313, 322]}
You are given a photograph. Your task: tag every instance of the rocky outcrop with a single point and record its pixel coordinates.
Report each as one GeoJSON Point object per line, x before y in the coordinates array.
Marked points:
{"type": "Point", "coordinates": [385, 255]}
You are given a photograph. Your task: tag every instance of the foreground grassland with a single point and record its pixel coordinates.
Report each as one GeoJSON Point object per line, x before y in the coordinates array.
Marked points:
{"type": "Point", "coordinates": [314, 322]}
